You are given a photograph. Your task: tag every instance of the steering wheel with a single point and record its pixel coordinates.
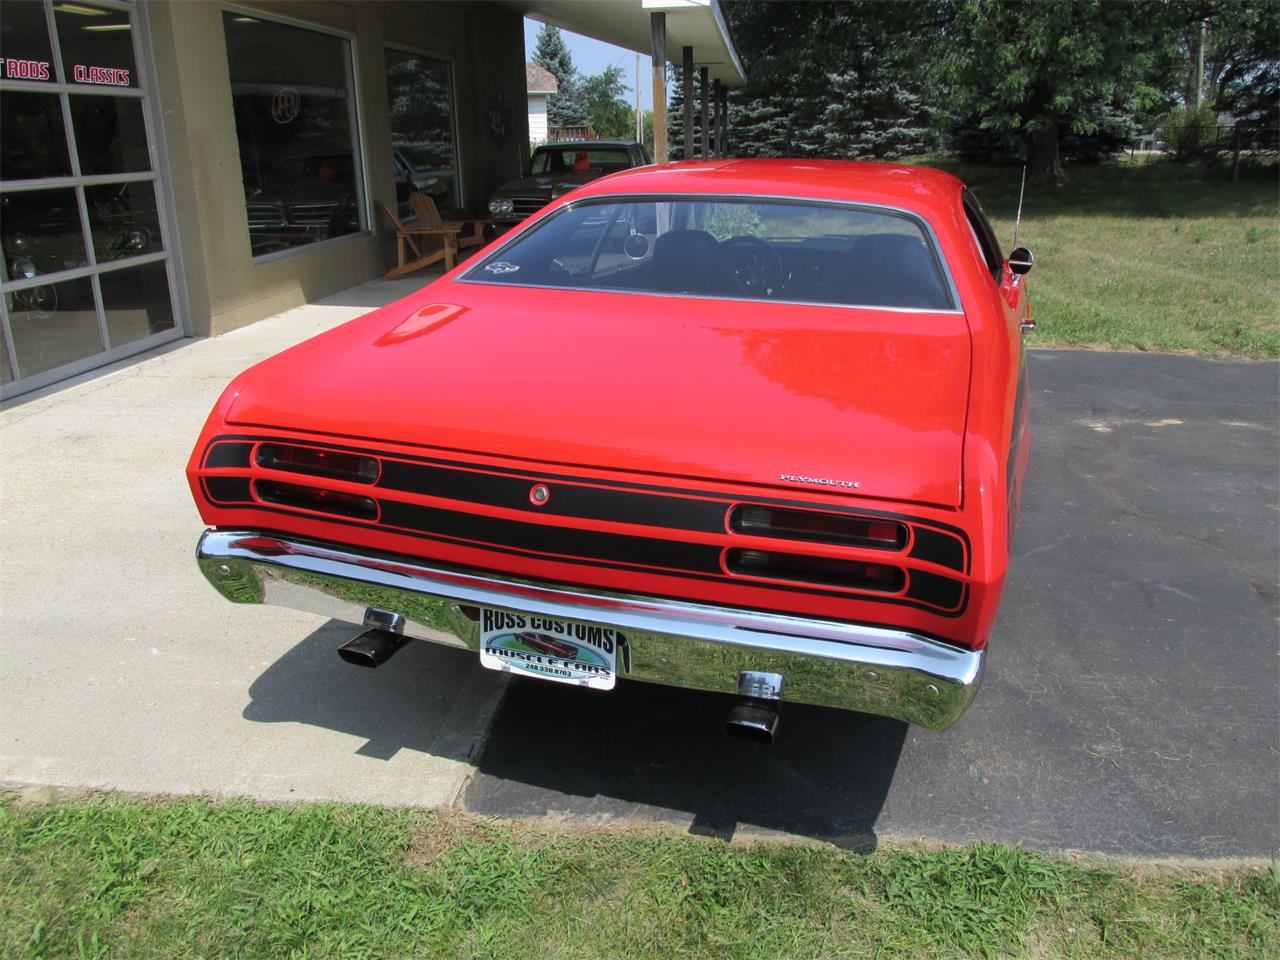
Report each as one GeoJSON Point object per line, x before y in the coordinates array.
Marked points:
{"type": "Point", "coordinates": [757, 264]}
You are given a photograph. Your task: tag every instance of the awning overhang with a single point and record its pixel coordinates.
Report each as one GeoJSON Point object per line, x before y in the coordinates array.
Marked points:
{"type": "Point", "coordinates": [698, 24]}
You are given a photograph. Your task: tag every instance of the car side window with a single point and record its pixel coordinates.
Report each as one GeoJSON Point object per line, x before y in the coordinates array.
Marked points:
{"type": "Point", "coordinates": [984, 235]}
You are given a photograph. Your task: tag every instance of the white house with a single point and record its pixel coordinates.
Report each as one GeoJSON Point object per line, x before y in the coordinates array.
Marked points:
{"type": "Point", "coordinates": [540, 84]}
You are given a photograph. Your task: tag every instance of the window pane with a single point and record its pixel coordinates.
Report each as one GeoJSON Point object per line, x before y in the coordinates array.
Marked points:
{"type": "Point", "coordinates": [53, 324]}
{"type": "Point", "coordinates": [812, 253]}
{"type": "Point", "coordinates": [421, 104]}
{"type": "Point", "coordinates": [34, 142]}
{"type": "Point", "coordinates": [123, 220]}
{"type": "Point", "coordinates": [24, 41]}
{"type": "Point", "coordinates": [293, 108]}
{"type": "Point", "coordinates": [40, 232]}
{"type": "Point", "coordinates": [137, 302]}
{"type": "Point", "coordinates": [97, 45]}
{"type": "Point", "coordinates": [6, 369]}
{"type": "Point", "coordinates": [578, 160]}
{"type": "Point", "coordinates": [110, 135]}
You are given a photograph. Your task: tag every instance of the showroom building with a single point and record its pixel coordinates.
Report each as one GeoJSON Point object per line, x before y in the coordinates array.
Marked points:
{"type": "Point", "coordinates": [171, 169]}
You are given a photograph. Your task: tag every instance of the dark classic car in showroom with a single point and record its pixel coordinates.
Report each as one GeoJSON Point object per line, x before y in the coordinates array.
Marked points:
{"type": "Point", "coordinates": [754, 427]}
{"type": "Point", "coordinates": [552, 171]}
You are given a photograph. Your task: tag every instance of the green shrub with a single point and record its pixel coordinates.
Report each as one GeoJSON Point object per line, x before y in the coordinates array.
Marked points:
{"type": "Point", "coordinates": [1191, 133]}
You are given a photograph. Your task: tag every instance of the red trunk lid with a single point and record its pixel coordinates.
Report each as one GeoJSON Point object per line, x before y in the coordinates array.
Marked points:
{"type": "Point", "coordinates": [692, 388]}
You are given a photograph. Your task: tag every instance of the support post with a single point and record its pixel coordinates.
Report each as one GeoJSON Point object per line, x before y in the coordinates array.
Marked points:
{"type": "Point", "coordinates": [686, 80]}
{"type": "Point", "coordinates": [717, 104]}
{"type": "Point", "coordinates": [658, 37]}
{"type": "Point", "coordinates": [722, 120]}
{"type": "Point", "coordinates": [704, 91]}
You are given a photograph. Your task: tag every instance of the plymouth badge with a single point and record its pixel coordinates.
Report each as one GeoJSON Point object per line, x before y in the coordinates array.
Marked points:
{"type": "Point", "coordinates": [821, 481]}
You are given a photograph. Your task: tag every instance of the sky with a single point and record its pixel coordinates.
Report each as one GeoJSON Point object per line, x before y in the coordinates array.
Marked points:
{"type": "Point", "coordinates": [592, 56]}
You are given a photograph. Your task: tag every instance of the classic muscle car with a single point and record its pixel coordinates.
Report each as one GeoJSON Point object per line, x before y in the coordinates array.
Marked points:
{"type": "Point", "coordinates": [754, 427]}
{"type": "Point", "coordinates": [552, 171]}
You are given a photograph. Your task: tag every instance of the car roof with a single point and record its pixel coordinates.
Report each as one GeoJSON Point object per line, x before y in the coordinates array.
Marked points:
{"type": "Point", "coordinates": [919, 189]}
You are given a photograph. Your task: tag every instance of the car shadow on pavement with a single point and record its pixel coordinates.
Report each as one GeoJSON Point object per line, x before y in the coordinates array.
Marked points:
{"type": "Point", "coordinates": [427, 698]}
{"type": "Point", "coordinates": [647, 752]}
{"type": "Point", "coordinates": [640, 752]}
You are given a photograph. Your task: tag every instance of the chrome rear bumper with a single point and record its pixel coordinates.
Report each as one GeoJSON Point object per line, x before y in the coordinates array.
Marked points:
{"type": "Point", "coordinates": [848, 666]}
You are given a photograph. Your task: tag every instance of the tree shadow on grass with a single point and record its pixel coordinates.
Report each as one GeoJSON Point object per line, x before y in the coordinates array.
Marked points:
{"type": "Point", "coordinates": [649, 752]}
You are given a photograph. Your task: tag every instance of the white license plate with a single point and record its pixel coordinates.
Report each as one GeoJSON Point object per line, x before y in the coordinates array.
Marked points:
{"type": "Point", "coordinates": [567, 651]}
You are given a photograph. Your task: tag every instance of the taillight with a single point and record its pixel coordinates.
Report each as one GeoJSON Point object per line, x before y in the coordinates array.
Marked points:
{"type": "Point", "coordinates": [837, 573]}
{"type": "Point", "coordinates": [818, 527]}
{"type": "Point", "coordinates": [315, 462]}
{"type": "Point", "coordinates": [313, 498]}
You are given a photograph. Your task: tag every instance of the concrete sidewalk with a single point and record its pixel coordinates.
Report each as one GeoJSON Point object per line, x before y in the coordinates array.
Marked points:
{"type": "Point", "coordinates": [123, 669]}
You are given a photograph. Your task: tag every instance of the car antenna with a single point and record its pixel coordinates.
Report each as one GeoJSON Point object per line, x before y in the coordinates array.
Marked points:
{"type": "Point", "coordinates": [1017, 224]}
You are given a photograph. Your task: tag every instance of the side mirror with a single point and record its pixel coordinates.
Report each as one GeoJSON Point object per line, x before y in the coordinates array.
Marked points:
{"type": "Point", "coordinates": [1021, 260]}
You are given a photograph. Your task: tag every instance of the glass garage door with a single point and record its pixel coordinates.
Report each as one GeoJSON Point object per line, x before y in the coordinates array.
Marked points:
{"type": "Point", "coordinates": [86, 272]}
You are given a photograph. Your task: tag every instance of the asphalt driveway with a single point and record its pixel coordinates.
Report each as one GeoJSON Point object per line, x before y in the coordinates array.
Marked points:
{"type": "Point", "coordinates": [1132, 699]}
{"type": "Point", "coordinates": [1131, 703]}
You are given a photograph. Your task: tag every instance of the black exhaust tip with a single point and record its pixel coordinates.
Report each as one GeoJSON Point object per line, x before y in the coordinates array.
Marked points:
{"type": "Point", "coordinates": [372, 648]}
{"type": "Point", "coordinates": [754, 722]}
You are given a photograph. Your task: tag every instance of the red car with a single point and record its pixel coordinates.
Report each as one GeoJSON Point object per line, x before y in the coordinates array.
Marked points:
{"type": "Point", "coordinates": [765, 420]}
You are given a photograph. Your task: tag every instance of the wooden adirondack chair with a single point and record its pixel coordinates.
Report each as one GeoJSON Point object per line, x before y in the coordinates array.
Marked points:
{"type": "Point", "coordinates": [428, 214]}
{"type": "Point", "coordinates": [410, 234]}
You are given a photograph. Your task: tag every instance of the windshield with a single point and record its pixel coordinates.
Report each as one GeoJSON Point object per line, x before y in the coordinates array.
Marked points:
{"type": "Point", "coordinates": [755, 249]}
{"type": "Point", "coordinates": [578, 160]}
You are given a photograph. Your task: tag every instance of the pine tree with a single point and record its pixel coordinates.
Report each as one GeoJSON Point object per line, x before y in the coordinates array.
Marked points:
{"type": "Point", "coordinates": [564, 107]}
{"type": "Point", "coordinates": [832, 79]}
{"type": "Point", "coordinates": [675, 114]}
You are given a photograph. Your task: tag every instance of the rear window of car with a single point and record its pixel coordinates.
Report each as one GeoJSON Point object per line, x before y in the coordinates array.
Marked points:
{"type": "Point", "coordinates": [573, 159]}
{"type": "Point", "coordinates": [797, 252]}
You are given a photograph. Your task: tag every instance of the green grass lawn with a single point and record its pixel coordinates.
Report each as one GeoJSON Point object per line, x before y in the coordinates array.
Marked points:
{"type": "Point", "coordinates": [1147, 256]}
{"type": "Point", "coordinates": [112, 877]}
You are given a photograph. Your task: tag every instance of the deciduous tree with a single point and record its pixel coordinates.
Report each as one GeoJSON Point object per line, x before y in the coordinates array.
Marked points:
{"type": "Point", "coordinates": [1029, 69]}
{"type": "Point", "coordinates": [604, 97]}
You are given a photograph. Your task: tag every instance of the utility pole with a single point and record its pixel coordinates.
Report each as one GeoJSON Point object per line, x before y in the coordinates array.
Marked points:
{"type": "Point", "coordinates": [639, 112]}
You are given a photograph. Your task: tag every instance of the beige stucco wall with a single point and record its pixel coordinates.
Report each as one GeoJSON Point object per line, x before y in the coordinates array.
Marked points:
{"type": "Point", "coordinates": [225, 288]}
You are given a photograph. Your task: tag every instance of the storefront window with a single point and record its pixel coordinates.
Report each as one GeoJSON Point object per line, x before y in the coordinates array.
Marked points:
{"type": "Point", "coordinates": [53, 324]}
{"type": "Point", "coordinates": [110, 135]}
{"type": "Point", "coordinates": [294, 107]}
{"type": "Point", "coordinates": [136, 301]}
{"type": "Point", "coordinates": [420, 101]}
{"type": "Point", "coordinates": [6, 368]}
{"type": "Point", "coordinates": [123, 220]}
{"type": "Point", "coordinates": [83, 265]}
{"type": "Point", "coordinates": [34, 142]}
{"type": "Point", "coordinates": [97, 45]}
{"type": "Point", "coordinates": [25, 53]}
{"type": "Point", "coordinates": [40, 232]}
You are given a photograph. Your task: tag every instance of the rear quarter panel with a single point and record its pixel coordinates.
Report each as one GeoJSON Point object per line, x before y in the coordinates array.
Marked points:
{"type": "Point", "coordinates": [996, 436]}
